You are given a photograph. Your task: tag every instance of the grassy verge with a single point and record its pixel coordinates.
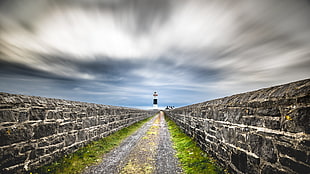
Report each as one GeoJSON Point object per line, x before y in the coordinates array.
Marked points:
{"type": "Point", "coordinates": [193, 160]}
{"type": "Point", "coordinates": [90, 154]}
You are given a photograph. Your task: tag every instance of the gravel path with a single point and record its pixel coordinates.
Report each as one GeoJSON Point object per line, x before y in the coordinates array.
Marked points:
{"type": "Point", "coordinates": [143, 157]}
{"type": "Point", "coordinates": [116, 158]}
{"type": "Point", "coordinates": [147, 151]}
{"type": "Point", "coordinates": [166, 162]}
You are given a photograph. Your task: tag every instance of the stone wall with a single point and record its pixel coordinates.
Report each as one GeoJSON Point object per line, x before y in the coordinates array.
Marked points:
{"type": "Point", "coordinates": [264, 131]}
{"type": "Point", "coordinates": [35, 131]}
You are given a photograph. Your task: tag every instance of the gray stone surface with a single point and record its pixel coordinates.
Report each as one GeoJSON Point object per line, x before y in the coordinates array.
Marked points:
{"type": "Point", "coordinates": [35, 131]}
{"type": "Point", "coordinates": [263, 131]}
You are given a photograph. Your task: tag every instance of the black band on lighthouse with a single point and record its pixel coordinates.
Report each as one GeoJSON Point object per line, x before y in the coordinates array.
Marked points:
{"type": "Point", "coordinates": [155, 101]}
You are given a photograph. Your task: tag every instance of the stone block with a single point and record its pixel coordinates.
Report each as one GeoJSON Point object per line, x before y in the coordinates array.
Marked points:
{"type": "Point", "coordinates": [44, 130]}
{"type": "Point", "coordinates": [268, 111]}
{"type": "Point", "coordinates": [242, 145]}
{"type": "Point", "coordinates": [70, 139]}
{"type": "Point", "coordinates": [81, 115]}
{"type": "Point", "coordinates": [7, 157]}
{"type": "Point", "coordinates": [59, 138]}
{"type": "Point", "coordinates": [273, 170]}
{"type": "Point", "coordinates": [50, 115]}
{"type": "Point", "coordinates": [43, 143]}
{"type": "Point", "coordinates": [253, 121]}
{"type": "Point", "coordinates": [36, 153]}
{"type": "Point", "coordinates": [73, 115]}
{"type": "Point", "coordinates": [66, 115]}
{"type": "Point", "coordinates": [294, 153]}
{"type": "Point", "coordinates": [263, 147]}
{"type": "Point", "coordinates": [51, 149]}
{"type": "Point", "coordinates": [239, 160]}
{"type": "Point", "coordinates": [295, 166]}
{"type": "Point", "coordinates": [14, 135]}
{"type": "Point", "coordinates": [229, 135]}
{"type": "Point", "coordinates": [93, 121]}
{"type": "Point", "coordinates": [253, 104]}
{"type": "Point", "coordinates": [37, 113]}
{"type": "Point", "coordinates": [46, 160]}
{"type": "Point", "coordinates": [297, 120]}
{"type": "Point", "coordinates": [300, 90]}
{"type": "Point", "coordinates": [86, 123]}
{"type": "Point", "coordinates": [78, 126]}
{"type": "Point", "coordinates": [66, 127]}
{"type": "Point", "coordinates": [23, 116]}
{"type": "Point", "coordinates": [59, 115]}
{"type": "Point", "coordinates": [6, 106]}
{"type": "Point", "coordinates": [304, 99]}
{"type": "Point", "coordinates": [272, 124]}
{"type": "Point", "coordinates": [305, 143]}
{"type": "Point", "coordinates": [253, 164]}
{"type": "Point", "coordinates": [27, 147]}
{"type": "Point", "coordinates": [222, 152]}
{"type": "Point", "coordinates": [7, 116]}
{"type": "Point", "coordinates": [82, 135]}
{"type": "Point", "coordinates": [13, 160]}
{"type": "Point", "coordinates": [269, 104]}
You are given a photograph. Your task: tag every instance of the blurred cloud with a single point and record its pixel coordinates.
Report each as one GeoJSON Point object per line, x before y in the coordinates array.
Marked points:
{"type": "Point", "coordinates": [119, 51]}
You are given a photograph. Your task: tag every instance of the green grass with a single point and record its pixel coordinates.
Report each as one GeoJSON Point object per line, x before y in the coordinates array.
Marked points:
{"type": "Point", "coordinates": [193, 160]}
{"type": "Point", "coordinates": [90, 154]}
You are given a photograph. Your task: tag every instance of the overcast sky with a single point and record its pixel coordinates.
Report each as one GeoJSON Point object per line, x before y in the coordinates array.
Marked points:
{"type": "Point", "coordinates": [118, 52]}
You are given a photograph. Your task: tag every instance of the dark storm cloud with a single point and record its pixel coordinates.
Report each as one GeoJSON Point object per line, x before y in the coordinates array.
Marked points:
{"type": "Point", "coordinates": [105, 69]}
{"type": "Point", "coordinates": [12, 69]}
{"type": "Point", "coordinates": [191, 72]}
{"type": "Point", "coordinates": [108, 66]}
{"type": "Point", "coordinates": [137, 16]}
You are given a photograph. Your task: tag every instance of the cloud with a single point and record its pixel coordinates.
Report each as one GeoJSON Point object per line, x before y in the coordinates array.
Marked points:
{"type": "Point", "coordinates": [118, 52]}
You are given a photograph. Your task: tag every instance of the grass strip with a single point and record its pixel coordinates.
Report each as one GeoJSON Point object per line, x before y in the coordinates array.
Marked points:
{"type": "Point", "coordinates": [193, 160]}
{"type": "Point", "coordinates": [90, 154]}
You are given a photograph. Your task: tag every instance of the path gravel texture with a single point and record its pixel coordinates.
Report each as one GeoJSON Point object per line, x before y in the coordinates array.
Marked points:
{"type": "Point", "coordinates": [166, 162]}
{"type": "Point", "coordinates": [147, 151]}
{"type": "Point", "coordinates": [143, 157]}
{"type": "Point", "coordinates": [115, 159]}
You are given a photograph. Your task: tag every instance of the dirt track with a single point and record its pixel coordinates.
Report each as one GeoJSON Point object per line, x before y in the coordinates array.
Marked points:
{"type": "Point", "coordinates": [147, 151]}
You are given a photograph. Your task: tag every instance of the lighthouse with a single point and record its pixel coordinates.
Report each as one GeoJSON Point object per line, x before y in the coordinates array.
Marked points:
{"type": "Point", "coordinates": [155, 97]}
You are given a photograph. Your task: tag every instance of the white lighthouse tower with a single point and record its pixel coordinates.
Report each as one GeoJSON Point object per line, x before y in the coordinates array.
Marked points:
{"type": "Point", "coordinates": [155, 98]}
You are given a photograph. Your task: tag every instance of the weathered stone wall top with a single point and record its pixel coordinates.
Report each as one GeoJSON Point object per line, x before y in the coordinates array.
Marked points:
{"type": "Point", "coordinates": [263, 131]}
{"type": "Point", "coordinates": [281, 107]}
{"type": "Point", "coordinates": [35, 130]}
{"type": "Point", "coordinates": [11, 101]}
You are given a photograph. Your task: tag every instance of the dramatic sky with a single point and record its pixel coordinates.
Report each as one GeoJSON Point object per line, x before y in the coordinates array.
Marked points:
{"type": "Point", "coordinates": [118, 52]}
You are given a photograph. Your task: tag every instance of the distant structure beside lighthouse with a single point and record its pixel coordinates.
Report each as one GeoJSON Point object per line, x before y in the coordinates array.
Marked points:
{"type": "Point", "coordinates": [155, 104]}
